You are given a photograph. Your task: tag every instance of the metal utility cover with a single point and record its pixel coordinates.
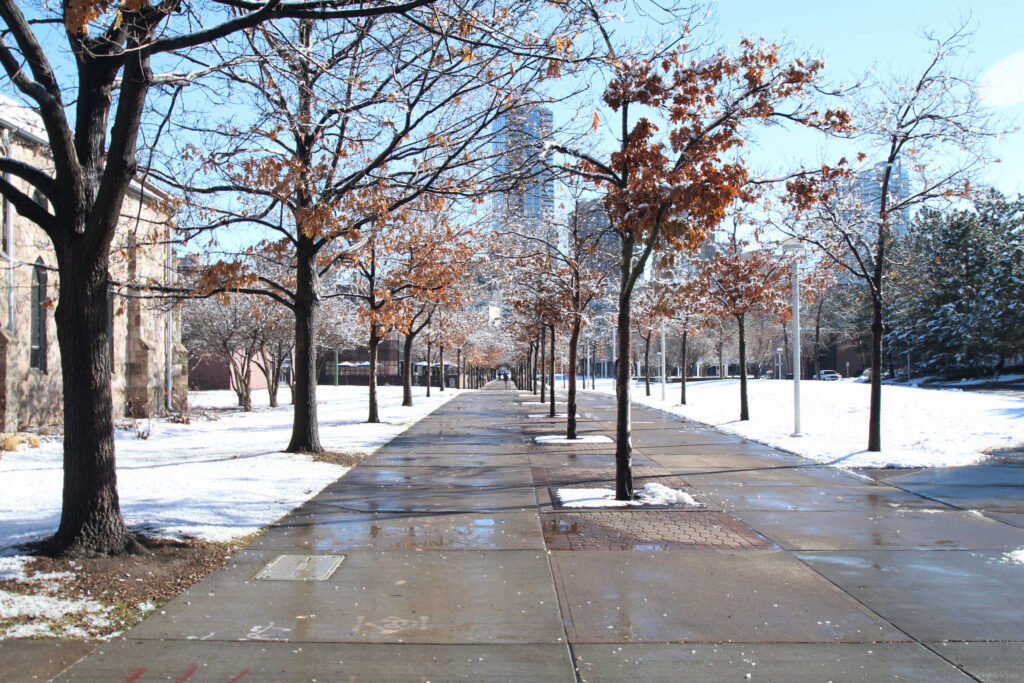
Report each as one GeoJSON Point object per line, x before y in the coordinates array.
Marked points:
{"type": "Point", "coordinates": [301, 568]}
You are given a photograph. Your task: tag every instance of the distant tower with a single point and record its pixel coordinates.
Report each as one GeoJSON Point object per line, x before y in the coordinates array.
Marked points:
{"type": "Point", "coordinates": [527, 199]}
{"type": "Point", "coordinates": [866, 188]}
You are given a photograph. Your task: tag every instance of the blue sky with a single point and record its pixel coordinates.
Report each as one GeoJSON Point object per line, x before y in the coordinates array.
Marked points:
{"type": "Point", "coordinates": [854, 37]}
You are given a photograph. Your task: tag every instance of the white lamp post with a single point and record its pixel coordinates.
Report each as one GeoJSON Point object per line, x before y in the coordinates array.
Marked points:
{"type": "Point", "coordinates": [663, 378]}
{"type": "Point", "coordinates": [795, 248]}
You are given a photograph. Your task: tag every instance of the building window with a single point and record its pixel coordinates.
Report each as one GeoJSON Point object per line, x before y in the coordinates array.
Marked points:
{"type": "Point", "coordinates": [37, 355]}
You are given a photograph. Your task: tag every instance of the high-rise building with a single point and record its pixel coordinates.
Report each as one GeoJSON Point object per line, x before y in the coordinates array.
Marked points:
{"type": "Point", "coordinates": [594, 226]}
{"type": "Point", "coordinates": [524, 200]}
{"type": "Point", "coordinates": [866, 191]}
{"type": "Point", "coordinates": [527, 197]}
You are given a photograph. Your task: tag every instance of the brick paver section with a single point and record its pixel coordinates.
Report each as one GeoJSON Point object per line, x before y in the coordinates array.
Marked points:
{"type": "Point", "coordinates": [648, 530]}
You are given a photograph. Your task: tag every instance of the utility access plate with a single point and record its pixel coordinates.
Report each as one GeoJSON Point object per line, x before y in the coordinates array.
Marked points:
{"type": "Point", "coordinates": [300, 568]}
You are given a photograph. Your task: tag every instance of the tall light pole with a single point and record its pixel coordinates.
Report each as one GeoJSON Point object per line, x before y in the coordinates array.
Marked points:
{"type": "Point", "coordinates": [795, 248]}
{"type": "Point", "coordinates": [663, 378]}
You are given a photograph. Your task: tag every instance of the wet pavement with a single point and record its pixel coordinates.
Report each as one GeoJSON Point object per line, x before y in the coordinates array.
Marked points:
{"type": "Point", "coordinates": [447, 556]}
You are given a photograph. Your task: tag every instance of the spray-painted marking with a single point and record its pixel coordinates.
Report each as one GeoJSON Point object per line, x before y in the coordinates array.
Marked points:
{"type": "Point", "coordinates": [266, 632]}
{"type": "Point", "coordinates": [391, 624]}
{"type": "Point", "coordinates": [188, 674]}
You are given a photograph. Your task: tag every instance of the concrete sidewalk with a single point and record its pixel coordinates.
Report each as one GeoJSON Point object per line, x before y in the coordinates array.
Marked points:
{"type": "Point", "coordinates": [443, 557]}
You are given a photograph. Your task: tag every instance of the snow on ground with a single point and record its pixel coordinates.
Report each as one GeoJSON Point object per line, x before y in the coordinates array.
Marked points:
{"type": "Point", "coordinates": [920, 427]}
{"type": "Point", "coordinates": [1014, 556]}
{"type": "Point", "coordinates": [651, 494]}
{"type": "Point", "coordinates": [212, 479]}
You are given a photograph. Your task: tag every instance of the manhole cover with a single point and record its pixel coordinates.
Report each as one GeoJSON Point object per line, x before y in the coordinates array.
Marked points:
{"type": "Point", "coordinates": [300, 568]}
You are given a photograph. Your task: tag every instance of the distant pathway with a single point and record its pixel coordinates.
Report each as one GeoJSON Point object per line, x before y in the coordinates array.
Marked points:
{"type": "Point", "coordinates": [443, 557]}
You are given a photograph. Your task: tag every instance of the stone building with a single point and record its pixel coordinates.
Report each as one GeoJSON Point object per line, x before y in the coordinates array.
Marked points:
{"type": "Point", "coordinates": [148, 358]}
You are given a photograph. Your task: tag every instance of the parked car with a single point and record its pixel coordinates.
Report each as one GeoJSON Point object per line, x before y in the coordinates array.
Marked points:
{"type": "Point", "coordinates": [829, 375]}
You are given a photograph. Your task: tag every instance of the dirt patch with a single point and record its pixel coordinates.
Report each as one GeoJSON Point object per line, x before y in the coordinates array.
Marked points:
{"type": "Point", "coordinates": [121, 590]}
{"type": "Point", "coordinates": [339, 458]}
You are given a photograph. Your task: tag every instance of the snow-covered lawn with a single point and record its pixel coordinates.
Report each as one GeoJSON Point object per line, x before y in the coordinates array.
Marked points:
{"type": "Point", "coordinates": [212, 479]}
{"type": "Point", "coordinates": [920, 427]}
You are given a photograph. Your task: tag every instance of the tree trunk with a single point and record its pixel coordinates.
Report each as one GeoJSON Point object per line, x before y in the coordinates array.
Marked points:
{"type": "Point", "coordinates": [875, 416]}
{"type": "Point", "coordinates": [623, 439]}
{"type": "Point", "coordinates": [817, 340]}
{"type": "Point", "coordinates": [440, 375]}
{"type": "Point", "coordinates": [458, 368]}
{"type": "Point", "coordinates": [533, 366]}
{"type": "Point", "coordinates": [241, 379]}
{"type": "Point", "coordinates": [374, 415]}
{"type": "Point", "coordinates": [552, 393]}
{"type": "Point", "coordinates": [543, 368]}
{"type": "Point", "coordinates": [90, 522]}
{"type": "Point", "coordinates": [305, 430]}
{"type": "Point", "coordinates": [647, 364]}
{"type": "Point", "coordinates": [682, 369]}
{"type": "Point", "coordinates": [570, 401]}
{"type": "Point", "coordinates": [429, 378]}
{"type": "Point", "coordinates": [407, 371]}
{"type": "Point", "coordinates": [744, 411]}
{"type": "Point", "coordinates": [273, 379]}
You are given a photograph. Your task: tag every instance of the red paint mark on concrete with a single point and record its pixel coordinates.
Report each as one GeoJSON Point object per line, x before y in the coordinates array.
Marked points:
{"type": "Point", "coordinates": [135, 676]}
{"type": "Point", "coordinates": [188, 674]}
{"type": "Point", "coordinates": [239, 677]}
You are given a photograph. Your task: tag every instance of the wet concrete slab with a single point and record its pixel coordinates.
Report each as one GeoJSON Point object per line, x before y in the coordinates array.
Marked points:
{"type": "Point", "coordinates": [390, 597]}
{"type": "Point", "coordinates": [937, 529]}
{"type": "Point", "coordinates": [993, 498]}
{"type": "Point", "coordinates": [675, 447]}
{"type": "Point", "coordinates": [792, 663]}
{"type": "Point", "coordinates": [867, 499]}
{"type": "Point", "coordinates": [421, 457]}
{"type": "Point", "coordinates": [25, 660]}
{"type": "Point", "coordinates": [973, 475]}
{"type": "Point", "coordinates": [1012, 518]}
{"type": "Point", "coordinates": [320, 531]}
{"type": "Point", "coordinates": [706, 595]}
{"type": "Point", "coordinates": [990, 662]}
{"type": "Point", "coordinates": [801, 475]}
{"type": "Point", "coordinates": [440, 475]}
{"type": "Point", "coordinates": [220, 662]}
{"type": "Point", "coordinates": [699, 459]}
{"type": "Point", "coordinates": [427, 498]}
{"type": "Point", "coordinates": [933, 595]}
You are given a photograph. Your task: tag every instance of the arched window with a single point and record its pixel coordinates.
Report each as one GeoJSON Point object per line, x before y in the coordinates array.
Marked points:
{"type": "Point", "coordinates": [37, 354]}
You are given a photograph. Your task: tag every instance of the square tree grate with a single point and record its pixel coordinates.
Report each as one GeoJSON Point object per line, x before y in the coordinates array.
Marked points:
{"type": "Point", "coordinates": [649, 530]}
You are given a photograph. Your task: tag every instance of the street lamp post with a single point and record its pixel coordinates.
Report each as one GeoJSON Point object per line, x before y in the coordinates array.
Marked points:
{"type": "Point", "coordinates": [795, 248]}
{"type": "Point", "coordinates": [778, 363]}
{"type": "Point", "coordinates": [663, 378]}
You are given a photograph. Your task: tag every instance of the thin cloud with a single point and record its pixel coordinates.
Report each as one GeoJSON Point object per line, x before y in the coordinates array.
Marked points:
{"type": "Point", "coordinates": [1003, 84]}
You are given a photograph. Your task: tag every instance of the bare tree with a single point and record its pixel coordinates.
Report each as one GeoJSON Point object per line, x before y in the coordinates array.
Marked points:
{"type": "Point", "coordinates": [104, 73]}
{"type": "Point", "coordinates": [925, 139]}
{"type": "Point", "coordinates": [667, 189]}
